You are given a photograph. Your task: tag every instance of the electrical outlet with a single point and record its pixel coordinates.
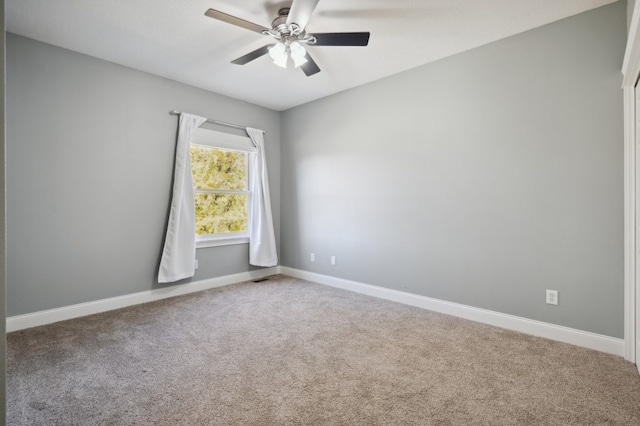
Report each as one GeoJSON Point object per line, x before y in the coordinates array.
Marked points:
{"type": "Point", "coordinates": [196, 264]}
{"type": "Point", "coordinates": [552, 297]}
{"type": "Point", "coordinates": [333, 260]}
{"type": "Point", "coordinates": [313, 257]}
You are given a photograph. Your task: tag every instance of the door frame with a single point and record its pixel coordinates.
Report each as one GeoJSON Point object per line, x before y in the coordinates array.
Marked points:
{"type": "Point", "coordinates": [631, 72]}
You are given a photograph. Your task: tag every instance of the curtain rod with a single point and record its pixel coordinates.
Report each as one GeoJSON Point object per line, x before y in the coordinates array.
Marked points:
{"type": "Point", "coordinates": [221, 123]}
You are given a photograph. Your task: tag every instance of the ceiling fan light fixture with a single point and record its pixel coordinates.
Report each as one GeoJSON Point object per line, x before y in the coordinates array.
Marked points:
{"type": "Point", "coordinates": [278, 53]}
{"type": "Point", "coordinates": [298, 54]}
{"type": "Point", "coordinates": [288, 29]}
{"type": "Point", "coordinates": [281, 62]}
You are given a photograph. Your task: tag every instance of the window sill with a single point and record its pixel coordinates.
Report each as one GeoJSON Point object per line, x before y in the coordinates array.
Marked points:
{"type": "Point", "coordinates": [221, 241]}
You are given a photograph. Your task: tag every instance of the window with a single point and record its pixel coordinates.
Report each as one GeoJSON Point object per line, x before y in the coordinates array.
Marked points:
{"type": "Point", "coordinates": [220, 170]}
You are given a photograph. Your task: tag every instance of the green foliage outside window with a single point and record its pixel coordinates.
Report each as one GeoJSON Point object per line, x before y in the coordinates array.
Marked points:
{"type": "Point", "coordinates": [216, 169]}
{"type": "Point", "coordinates": [220, 213]}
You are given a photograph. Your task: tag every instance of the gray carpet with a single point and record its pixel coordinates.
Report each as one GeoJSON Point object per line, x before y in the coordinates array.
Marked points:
{"type": "Point", "coordinates": [289, 352]}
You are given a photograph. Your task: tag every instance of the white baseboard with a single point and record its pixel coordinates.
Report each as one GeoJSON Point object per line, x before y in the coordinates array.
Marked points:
{"type": "Point", "coordinates": [559, 333]}
{"type": "Point", "coordinates": [49, 316]}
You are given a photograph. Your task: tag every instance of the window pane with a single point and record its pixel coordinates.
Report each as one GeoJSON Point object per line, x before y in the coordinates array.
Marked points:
{"type": "Point", "coordinates": [216, 168]}
{"type": "Point", "coordinates": [220, 213]}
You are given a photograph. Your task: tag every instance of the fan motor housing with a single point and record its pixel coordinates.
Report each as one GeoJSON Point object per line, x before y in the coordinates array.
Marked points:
{"type": "Point", "coordinates": [280, 26]}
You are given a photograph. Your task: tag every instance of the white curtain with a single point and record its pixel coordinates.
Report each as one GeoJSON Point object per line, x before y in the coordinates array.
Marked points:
{"type": "Point", "coordinates": [179, 253]}
{"type": "Point", "coordinates": [262, 240]}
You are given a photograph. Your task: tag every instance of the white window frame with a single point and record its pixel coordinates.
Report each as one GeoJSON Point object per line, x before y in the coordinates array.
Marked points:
{"type": "Point", "coordinates": [211, 138]}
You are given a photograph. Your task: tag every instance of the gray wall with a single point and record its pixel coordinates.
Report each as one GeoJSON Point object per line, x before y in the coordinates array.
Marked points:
{"type": "Point", "coordinates": [3, 271]}
{"type": "Point", "coordinates": [630, 5]}
{"type": "Point", "coordinates": [90, 148]}
{"type": "Point", "coordinates": [483, 179]}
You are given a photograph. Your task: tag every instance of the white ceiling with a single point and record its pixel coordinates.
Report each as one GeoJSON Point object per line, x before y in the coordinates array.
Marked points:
{"type": "Point", "coordinates": [174, 39]}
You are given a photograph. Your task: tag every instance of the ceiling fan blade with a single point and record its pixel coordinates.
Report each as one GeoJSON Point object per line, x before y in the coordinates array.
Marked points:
{"type": "Point", "coordinates": [221, 16]}
{"type": "Point", "coordinates": [310, 67]}
{"type": "Point", "coordinates": [301, 11]}
{"type": "Point", "coordinates": [252, 55]}
{"type": "Point", "coordinates": [341, 39]}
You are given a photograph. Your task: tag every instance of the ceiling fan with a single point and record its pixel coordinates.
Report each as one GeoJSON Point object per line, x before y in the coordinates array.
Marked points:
{"type": "Point", "coordinates": [288, 31]}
